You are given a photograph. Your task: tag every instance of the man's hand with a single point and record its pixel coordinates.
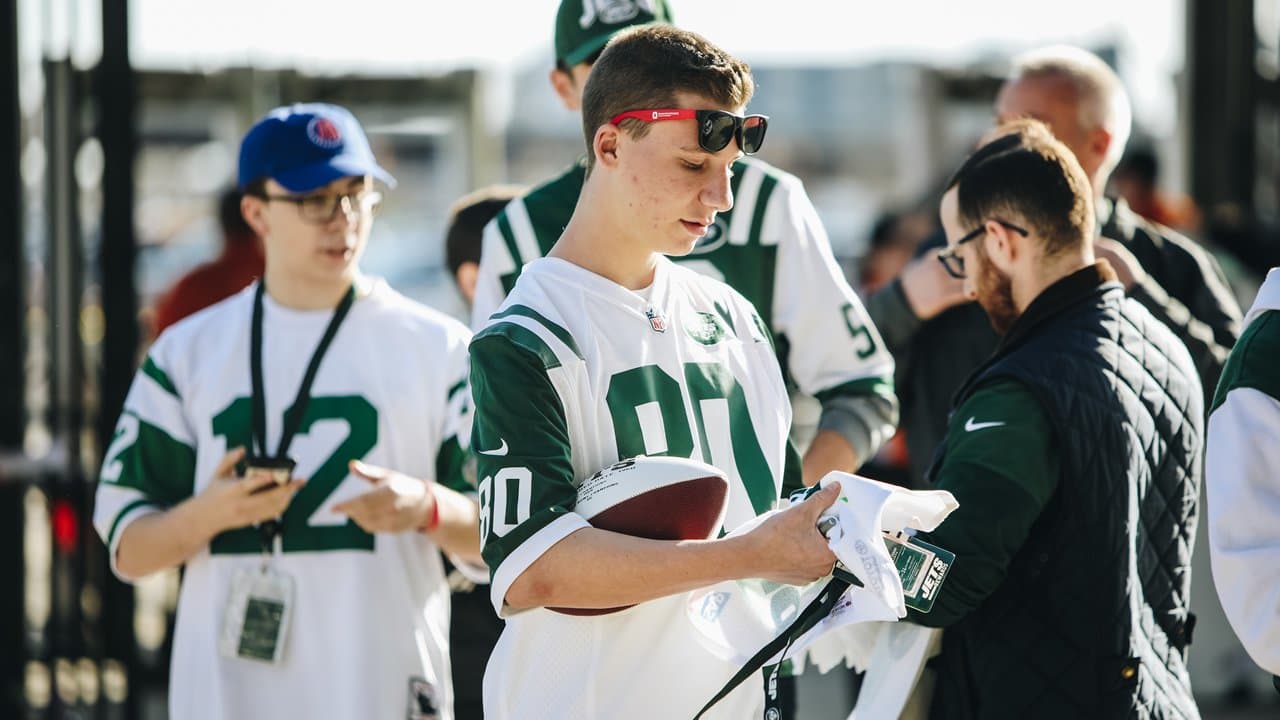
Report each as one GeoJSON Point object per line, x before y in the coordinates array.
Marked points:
{"type": "Point", "coordinates": [929, 288]}
{"type": "Point", "coordinates": [230, 502]}
{"type": "Point", "coordinates": [166, 539]}
{"type": "Point", "coordinates": [396, 502]}
{"type": "Point", "coordinates": [788, 545]}
{"type": "Point", "coordinates": [1128, 270]}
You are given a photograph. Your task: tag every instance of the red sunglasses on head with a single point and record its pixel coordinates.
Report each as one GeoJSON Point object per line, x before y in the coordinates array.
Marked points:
{"type": "Point", "coordinates": [715, 127]}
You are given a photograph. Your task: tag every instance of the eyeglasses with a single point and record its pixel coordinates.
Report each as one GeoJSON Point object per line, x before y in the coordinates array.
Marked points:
{"type": "Point", "coordinates": [715, 127]}
{"type": "Point", "coordinates": [321, 208]}
{"type": "Point", "coordinates": [954, 263]}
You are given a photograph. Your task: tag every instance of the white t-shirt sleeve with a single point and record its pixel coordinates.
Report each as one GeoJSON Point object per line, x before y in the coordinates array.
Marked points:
{"type": "Point", "coordinates": [149, 465]}
{"type": "Point", "coordinates": [1242, 483]}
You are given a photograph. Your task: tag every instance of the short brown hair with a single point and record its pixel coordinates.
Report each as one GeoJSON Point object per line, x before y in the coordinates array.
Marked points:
{"type": "Point", "coordinates": [1026, 173]}
{"type": "Point", "coordinates": [467, 217]}
{"type": "Point", "coordinates": [646, 66]}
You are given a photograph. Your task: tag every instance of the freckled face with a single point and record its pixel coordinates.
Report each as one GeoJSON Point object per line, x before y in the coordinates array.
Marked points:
{"type": "Point", "coordinates": [675, 188]}
{"type": "Point", "coordinates": [319, 252]}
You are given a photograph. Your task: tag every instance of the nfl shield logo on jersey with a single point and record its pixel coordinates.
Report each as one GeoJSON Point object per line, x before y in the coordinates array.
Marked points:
{"type": "Point", "coordinates": [656, 321]}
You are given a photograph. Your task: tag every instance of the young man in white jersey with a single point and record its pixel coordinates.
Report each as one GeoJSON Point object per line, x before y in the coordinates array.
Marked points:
{"type": "Point", "coordinates": [771, 247]}
{"type": "Point", "coordinates": [323, 597]}
{"type": "Point", "coordinates": [604, 350]}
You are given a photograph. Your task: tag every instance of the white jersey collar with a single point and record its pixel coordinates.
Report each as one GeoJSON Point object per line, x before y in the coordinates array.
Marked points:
{"type": "Point", "coordinates": [655, 295]}
{"type": "Point", "coordinates": [1268, 297]}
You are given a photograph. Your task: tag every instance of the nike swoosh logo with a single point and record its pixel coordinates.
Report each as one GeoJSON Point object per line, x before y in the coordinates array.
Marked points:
{"type": "Point", "coordinates": [498, 451]}
{"type": "Point", "coordinates": [970, 425]}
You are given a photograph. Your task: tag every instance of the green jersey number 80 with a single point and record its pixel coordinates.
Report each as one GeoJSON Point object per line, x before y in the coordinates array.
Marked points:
{"type": "Point", "coordinates": [650, 418]}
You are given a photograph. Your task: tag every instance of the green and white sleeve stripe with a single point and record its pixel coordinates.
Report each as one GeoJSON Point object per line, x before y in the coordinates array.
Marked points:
{"type": "Point", "coordinates": [521, 437]}
{"type": "Point", "coordinates": [497, 261]}
{"type": "Point", "coordinates": [452, 461]}
{"type": "Point", "coordinates": [751, 200]}
{"type": "Point", "coordinates": [150, 463]}
{"type": "Point", "coordinates": [517, 228]}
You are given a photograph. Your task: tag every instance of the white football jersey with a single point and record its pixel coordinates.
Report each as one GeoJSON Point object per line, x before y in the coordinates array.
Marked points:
{"type": "Point", "coordinates": [370, 627]}
{"type": "Point", "coordinates": [771, 247]}
{"type": "Point", "coordinates": [573, 373]}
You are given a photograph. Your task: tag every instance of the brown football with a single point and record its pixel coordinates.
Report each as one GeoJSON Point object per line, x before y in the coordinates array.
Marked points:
{"type": "Point", "coordinates": [660, 498]}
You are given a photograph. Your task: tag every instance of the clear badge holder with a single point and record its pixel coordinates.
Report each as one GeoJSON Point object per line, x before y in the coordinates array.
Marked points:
{"type": "Point", "coordinates": [922, 566]}
{"type": "Point", "coordinates": [256, 622]}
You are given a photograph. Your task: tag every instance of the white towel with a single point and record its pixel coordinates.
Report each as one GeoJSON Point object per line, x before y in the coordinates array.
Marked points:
{"type": "Point", "coordinates": [736, 619]}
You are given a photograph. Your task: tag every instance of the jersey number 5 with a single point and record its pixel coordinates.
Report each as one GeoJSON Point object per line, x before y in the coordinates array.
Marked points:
{"type": "Point", "coordinates": [300, 535]}
{"type": "Point", "coordinates": [858, 329]}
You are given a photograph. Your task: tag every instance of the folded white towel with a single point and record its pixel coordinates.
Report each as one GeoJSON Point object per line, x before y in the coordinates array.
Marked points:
{"type": "Point", "coordinates": [736, 619]}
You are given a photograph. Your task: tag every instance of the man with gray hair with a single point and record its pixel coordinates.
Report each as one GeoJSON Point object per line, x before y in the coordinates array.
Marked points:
{"type": "Point", "coordinates": [938, 337]}
{"type": "Point", "coordinates": [1078, 95]}
{"type": "Point", "coordinates": [1085, 105]}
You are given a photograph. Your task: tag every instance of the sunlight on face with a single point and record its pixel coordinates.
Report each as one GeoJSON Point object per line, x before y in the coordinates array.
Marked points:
{"type": "Point", "coordinates": [318, 252]}
{"type": "Point", "coordinates": [675, 188]}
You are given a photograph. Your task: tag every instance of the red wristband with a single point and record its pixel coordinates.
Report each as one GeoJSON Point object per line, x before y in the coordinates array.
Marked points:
{"type": "Point", "coordinates": [434, 521]}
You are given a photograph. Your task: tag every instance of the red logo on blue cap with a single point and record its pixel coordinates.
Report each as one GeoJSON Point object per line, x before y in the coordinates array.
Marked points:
{"type": "Point", "coordinates": [324, 132]}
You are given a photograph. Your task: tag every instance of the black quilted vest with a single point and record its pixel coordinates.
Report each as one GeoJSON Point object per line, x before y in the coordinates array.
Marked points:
{"type": "Point", "coordinates": [1092, 620]}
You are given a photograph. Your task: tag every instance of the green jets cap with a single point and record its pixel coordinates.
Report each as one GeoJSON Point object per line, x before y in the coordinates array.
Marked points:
{"type": "Point", "coordinates": [585, 26]}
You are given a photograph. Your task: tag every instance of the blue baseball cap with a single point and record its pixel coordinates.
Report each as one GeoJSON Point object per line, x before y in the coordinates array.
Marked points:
{"type": "Point", "coordinates": [307, 146]}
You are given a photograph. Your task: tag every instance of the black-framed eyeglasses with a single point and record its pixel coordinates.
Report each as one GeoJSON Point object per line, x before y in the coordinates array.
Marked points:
{"type": "Point", "coordinates": [321, 208]}
{"type": "Point", "coordinates": [950, 257]}
{"type": "Point", "coordinates": [715, 127]}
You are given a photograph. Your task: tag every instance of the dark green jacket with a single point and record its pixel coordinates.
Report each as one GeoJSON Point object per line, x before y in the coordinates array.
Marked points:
{"type": "Point", "coordinates": [1091, 617]}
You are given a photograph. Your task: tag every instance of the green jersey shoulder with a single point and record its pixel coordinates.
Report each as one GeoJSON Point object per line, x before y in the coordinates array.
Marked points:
{"type": "Point", "coordinates": [1252, 362]}
{"type": "Point", "coordinates": [773, 249]}
{"type": "Point", "coordinates": [527, 228]}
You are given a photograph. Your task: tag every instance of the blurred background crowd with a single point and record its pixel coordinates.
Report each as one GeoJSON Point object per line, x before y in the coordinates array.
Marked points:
{"type": "Point", "coordinates": [121, 118]}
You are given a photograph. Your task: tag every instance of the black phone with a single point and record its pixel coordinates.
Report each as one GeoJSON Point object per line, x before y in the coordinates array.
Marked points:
{"type": "Point", "coordinates": [280, 469]}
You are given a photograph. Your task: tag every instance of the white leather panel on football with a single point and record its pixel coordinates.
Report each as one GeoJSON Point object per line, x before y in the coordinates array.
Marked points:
{"type": "Point", "coordinates": [659, 498]}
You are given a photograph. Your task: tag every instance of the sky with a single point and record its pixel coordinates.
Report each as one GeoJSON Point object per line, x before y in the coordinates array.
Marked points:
{"type": "Point", "coordinates": [410, 36]}
{"type": "Point", "coordinates": [431, 33]}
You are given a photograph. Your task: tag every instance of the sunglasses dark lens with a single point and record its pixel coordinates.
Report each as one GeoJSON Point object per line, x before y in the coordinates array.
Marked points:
{"type": "Point", "coordinates": [753, 129]}
{"type": "Point", "coordinates": [716, 130]}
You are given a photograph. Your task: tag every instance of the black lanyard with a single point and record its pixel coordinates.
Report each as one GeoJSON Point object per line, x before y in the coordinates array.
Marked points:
{"type": "Point", "coordinates": [818, 609]}
{"type": "Point", "coordinates": [293, 414]}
